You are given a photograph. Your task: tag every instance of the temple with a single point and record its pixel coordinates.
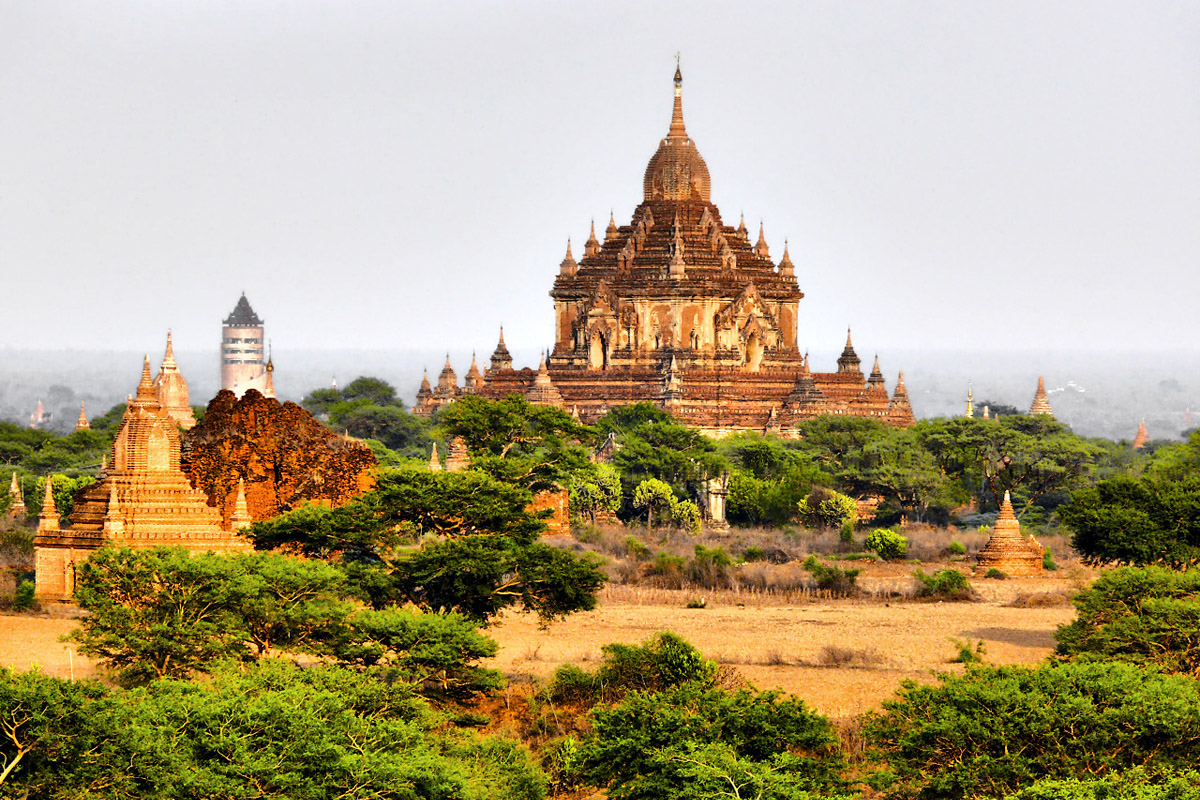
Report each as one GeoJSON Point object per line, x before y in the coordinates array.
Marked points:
{"type": "Point", "coordinates": [243, 366]}
{"type": "Point", "coordinates": [681, 310]}
{"type": "Point", "coordinates": [1142, 436]}
{"type": "Point", "coordinates": [142, 499]}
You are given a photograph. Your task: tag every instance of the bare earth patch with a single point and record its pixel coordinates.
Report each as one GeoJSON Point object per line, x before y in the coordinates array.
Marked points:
{"type": "Point", "coordinates": [841, 656]}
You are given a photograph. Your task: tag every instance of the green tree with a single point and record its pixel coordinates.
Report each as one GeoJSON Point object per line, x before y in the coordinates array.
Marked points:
{"type": "Point", "coordinates": [439, 652]}
{"type": "Point", "coordinates": [993, 730]}
{"type": "Point", "coordinates": [597, 493]}
{"type": "Point", "coordinates": [533, 446]}
{"type": "Point", "coordinates": [655, 497]}
{"type": "Point", "coordinates": [1127, 520]}
{"type": "Point", "coordinates": [158, 613]}
{"type": "Point", "coordinates": [1147, 615]}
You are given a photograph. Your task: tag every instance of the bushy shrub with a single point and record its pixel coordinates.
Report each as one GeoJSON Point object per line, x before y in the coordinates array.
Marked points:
{"type": "Point", "coordinates": [1048, 561]}
{"type": "Point", "coordinates": [995, 574]}
{"type": "Point", "coordinates": [663, 661]}
{"type": "Point", "coordinates": [667, 570]}
{"type": "Point", "coordinates": [24, 598]}
{"type": "Point", "coordinates": [711, 567]}
{"type": "Point", "coordinates": [993, 730]}
{"type": "Point", "coordinates": [690, 741]}
{"type": "Point", "coordinates": [754, 553]}
{"type": "Point", "coordinates": [686, 516]}
{"type": "Point", "coordinates": [956, 548]}
{"type": "Point", "coordinates": [945, 584]}
{"type": "Point", "coordinates": [1147, 615]}
{"type": "Point", "coordinates": [825, 508]}
{"type": "Point", "coordinates": [832, 578]}
{"type": "Point", "coordinates": [889, 545]}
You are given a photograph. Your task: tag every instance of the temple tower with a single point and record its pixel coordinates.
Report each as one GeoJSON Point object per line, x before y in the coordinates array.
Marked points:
{"type": "Point", "coordinates": [82, 423]}
{"type": "Point", "coordinates": [1143, 435]}
{"type": "Point", "coordinates": [243, 365]}
{"type": "Point", "coordinates": [143, 499]}
{"type": "Point", "coordinates": [16, 509]}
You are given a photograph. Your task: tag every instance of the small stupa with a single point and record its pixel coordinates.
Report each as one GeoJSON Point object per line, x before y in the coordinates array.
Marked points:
{"type": "Point", "coordinates": [82, 423]}
{"type": "Point", "coordinates": [457, 456]}
{"type": "Point", "coordinates": [1007, 550]}
{"type": "Point", "coordinates": [542, 392]}
{"type": "Point", "coordinates": [1041, 404]}
{"type": "Point", "coordinates": [435, 464]}
{"type": "Point", "coordinates": [16, 509]}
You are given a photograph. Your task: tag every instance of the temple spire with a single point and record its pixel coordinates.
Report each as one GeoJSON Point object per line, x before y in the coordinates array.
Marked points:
{"type": "Point", "coordinates": [786, 268]}
{"type": "Point", "coordinates": [145, 389]}
{"type": "Point", "coordinates": [82, 423]}
{"type": "Point", "coordinates": [240, 518]}
{"type": "Point", "coordinates": [970, 401]}
{"type": "Point", "coordinates": [592, 246]}
{"type": "Point", "coordinates": [569, 266]}
{"type": "Point", "coordinates": [48, 519]}
{"type": "Point", "coordinates": [761, 248]}
{"type": "Point", "coordinates": [677, 130]}
{"type": "Point", "coordinates": [168, 361]}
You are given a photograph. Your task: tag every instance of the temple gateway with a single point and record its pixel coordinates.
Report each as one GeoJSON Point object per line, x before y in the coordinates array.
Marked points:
{"type": "Point", "coordinates": [681, 310]}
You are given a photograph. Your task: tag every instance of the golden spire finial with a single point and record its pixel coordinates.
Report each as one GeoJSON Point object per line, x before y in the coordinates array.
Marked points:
{"type": "Point", "coordinates": [169, 357]}
{"type": "Point", "coordinates": [677, 131]}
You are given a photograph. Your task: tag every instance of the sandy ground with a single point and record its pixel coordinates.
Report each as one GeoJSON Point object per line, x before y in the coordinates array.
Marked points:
{"type": "Point", "coordinates": [784, 646]}
{"type": "Point", "coordinates": [775, 645]}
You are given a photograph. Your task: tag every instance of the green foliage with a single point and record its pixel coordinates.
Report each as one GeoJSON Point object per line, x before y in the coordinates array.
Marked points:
{"type": "Point", "coordinates": [957, 548]}
{"type": "Point", "coordinates": [1126, 520]}
{"type": "Point", "coordinates": [754, 553]}
{"type": "Point", "coordinates": [711, 567]}
{"type": "Point", "coordinates": [1136, 784]}
{"type": "Point", "coordinates": [599, 492]}
{"type": "Point", "coordinates": [438, 652]}
{"type": "Point", "coordinates": [655, 497]}
{"type": "Point", "coordinates": [945, 584]}
{"type": "Point", "coordinates": [685, 514]}
{"type": "Point", "coordinates": [995, 574]}
{"type": "Point", "coordinates": [368, 408]}
{"type": "Point", "coordinates": [769, 478]}
{"type": "Point", "coordinates": [994, 730]}
{"type": "Point", "coordinates": [157, 613]}
{"type": "Point", "coordinates": [1048, 563]}
{"type": "Point", "coordinates": [660, 663]}
{"type": "Point", "coordinates": [832, 578]}
{"type": "Point", "coordinates": [1032, 456]}
{"type": "Point", "coordinates": [825, 508]}
{"type": "Point", "coordinates": [654, 445]}
{"type": "Point", "coordinates": [23, 599]}
{"type": "Point", "coordinates": [889, 545]}
{"type": "Point", "coordinates": [636, 548]}
{"type": "Point", "coordinates": [480, 575]}
{"type": "Point", "coordinates": [533, 446]}
{"type": "Point", "coordinates": [692, 741]}
{"type": "Point", "coordinates": [1148, 616]}
{"type": "Point", "coordinates": [965, 653]}
{"type": "Point", "coordinates": [270, 730]}
{"type": "Point", "coordinates": [64, 491]}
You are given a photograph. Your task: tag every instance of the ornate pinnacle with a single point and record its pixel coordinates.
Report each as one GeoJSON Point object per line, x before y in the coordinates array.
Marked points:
{"type": "Point", "coordinates": [677, 130]}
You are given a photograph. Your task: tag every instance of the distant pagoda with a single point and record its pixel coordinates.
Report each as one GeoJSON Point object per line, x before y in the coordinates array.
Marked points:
{"type": "Point", "coordinates": [1041, 403]}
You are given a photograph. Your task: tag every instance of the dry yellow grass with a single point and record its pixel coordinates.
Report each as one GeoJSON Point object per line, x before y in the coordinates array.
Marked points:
{"type": "Point", "coordinates": [842, 657]}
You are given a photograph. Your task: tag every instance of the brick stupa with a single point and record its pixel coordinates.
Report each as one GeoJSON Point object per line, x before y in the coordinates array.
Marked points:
{"type": "Point", "coordinates": [1007, 550]}
{"type": "Point", "coordinates": [143, 499]}
{"type": "Point", "coordinates": [172, 390]}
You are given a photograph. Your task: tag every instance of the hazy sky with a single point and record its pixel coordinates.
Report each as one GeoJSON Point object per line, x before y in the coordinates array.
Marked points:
{"type": "Point", "coordinates": [405, 175]}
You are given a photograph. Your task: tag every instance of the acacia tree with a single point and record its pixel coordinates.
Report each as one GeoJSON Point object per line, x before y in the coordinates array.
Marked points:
{"type": "Point", "coordinates": [1136, 521]}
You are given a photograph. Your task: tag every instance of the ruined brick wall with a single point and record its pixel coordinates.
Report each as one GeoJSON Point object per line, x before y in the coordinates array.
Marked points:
{"type": "Point", "coordinates": [557, 501]}
{"type": "Point", "coordinates": [282, 453]}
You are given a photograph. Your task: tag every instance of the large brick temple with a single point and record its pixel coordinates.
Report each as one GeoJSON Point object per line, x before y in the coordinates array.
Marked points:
{"type": "Point", "coordinates": [681, 310]}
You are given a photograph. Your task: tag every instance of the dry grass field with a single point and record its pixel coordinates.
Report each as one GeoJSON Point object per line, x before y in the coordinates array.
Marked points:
{"type": "Point", "coordinates": [841, 656]}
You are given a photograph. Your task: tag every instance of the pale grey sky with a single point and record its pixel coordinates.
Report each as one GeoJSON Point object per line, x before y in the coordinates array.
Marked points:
{"type": "Point", "coordinates": [405, 175]}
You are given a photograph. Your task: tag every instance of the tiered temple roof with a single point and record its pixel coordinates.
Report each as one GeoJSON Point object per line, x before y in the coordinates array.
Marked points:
{"type": "Point", "coordinates": [1041, 403]}
{"type": "Point", "coordinates": [678, 309]}
{"type": "Point", "coordinates": [172, 390]}
{"type": "Point", "coordinates": [1007, 550]}
{"type": "Point", "coordinates": [1143, 435]}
